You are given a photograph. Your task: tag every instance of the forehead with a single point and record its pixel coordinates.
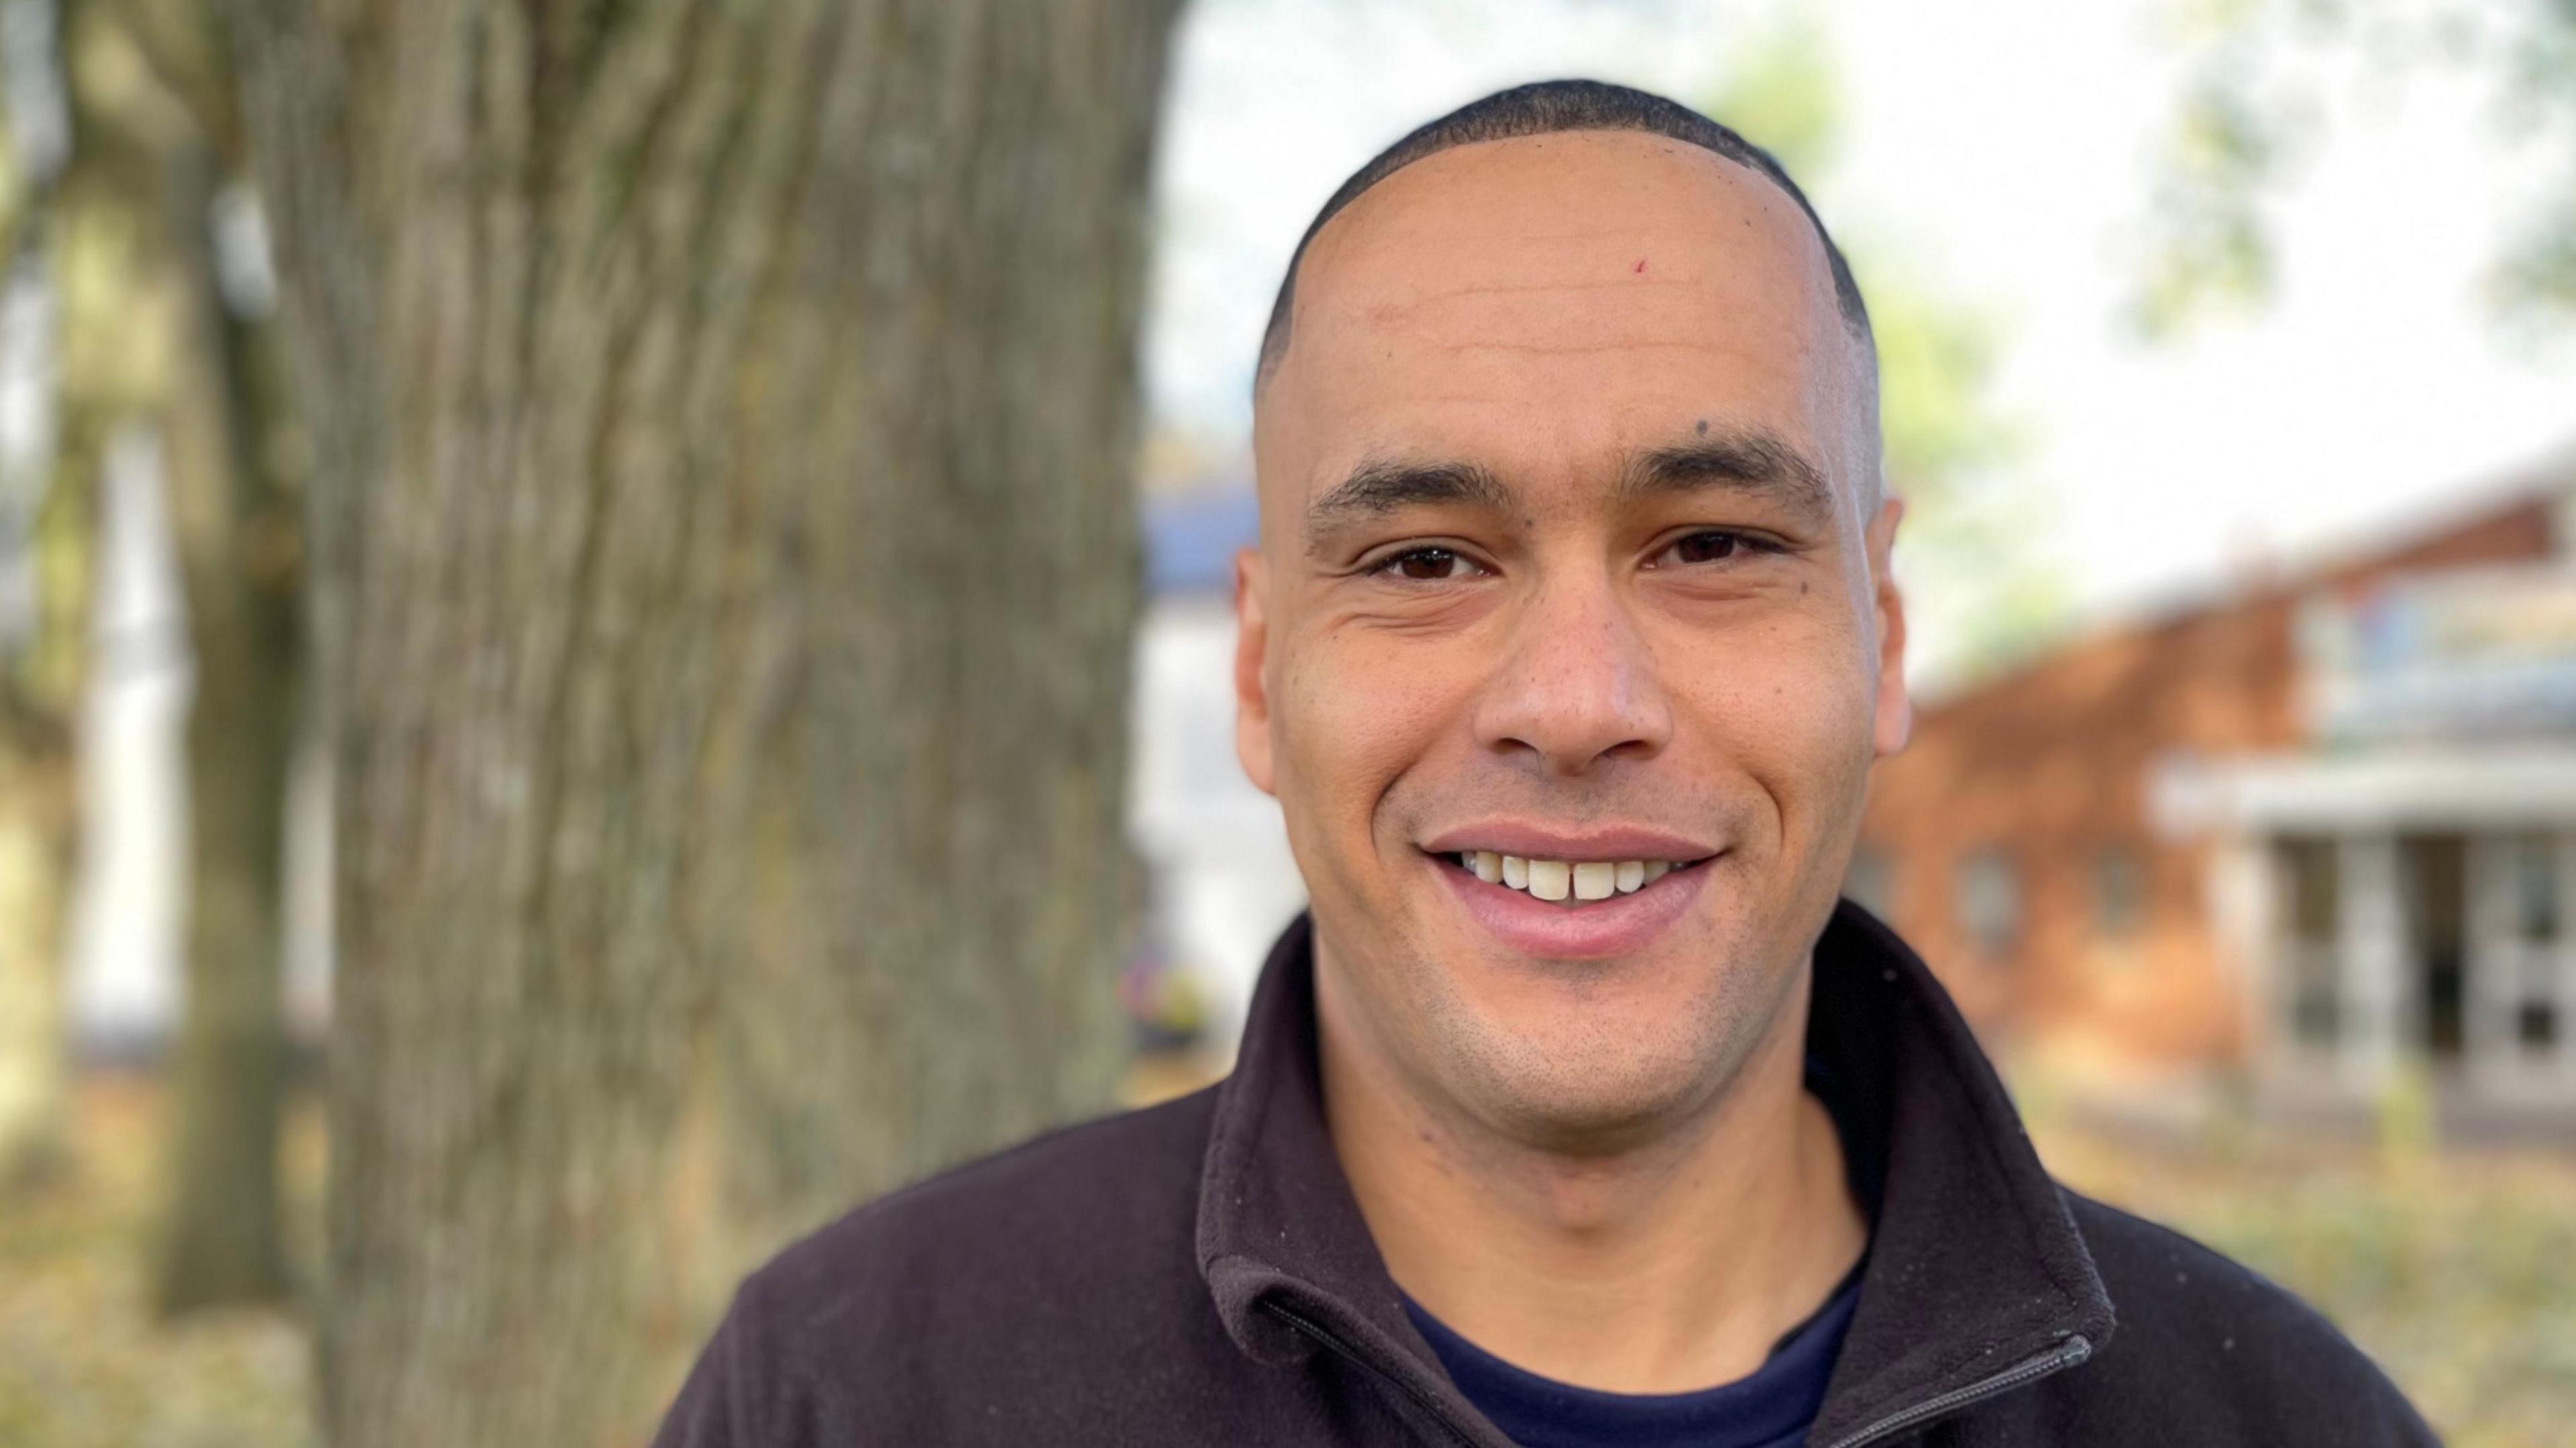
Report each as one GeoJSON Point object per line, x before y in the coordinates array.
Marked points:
{"type": "Point", "coordinates": [1542, 303]}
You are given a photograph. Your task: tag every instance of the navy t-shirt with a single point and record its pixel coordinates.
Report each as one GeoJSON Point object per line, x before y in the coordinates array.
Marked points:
{"type": "Point", "coordinates": [1772, 1408]}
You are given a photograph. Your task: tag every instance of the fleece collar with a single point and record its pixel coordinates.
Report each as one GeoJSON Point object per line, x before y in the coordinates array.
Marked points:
{"type": "Point", "coordinates": [1975, 1264]}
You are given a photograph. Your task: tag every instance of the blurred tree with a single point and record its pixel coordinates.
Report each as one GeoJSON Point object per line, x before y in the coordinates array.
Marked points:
{"type": "Point", "coordinates": [2253, 110]}
{"type": "Point", "coordinates": [153, 342]}
{"type": "Point", "coordinates": [723, 566]}
{"type": "Point", "coordinates": [46, 513]}
{"type": "Point", "coordinates": [1981, 593]}
{"type": "Point", "coordinates": [155, 75]}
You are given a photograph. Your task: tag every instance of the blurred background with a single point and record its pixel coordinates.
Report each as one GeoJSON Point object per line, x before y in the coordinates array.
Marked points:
{"type": "Point", "coordinates": [718, 587]}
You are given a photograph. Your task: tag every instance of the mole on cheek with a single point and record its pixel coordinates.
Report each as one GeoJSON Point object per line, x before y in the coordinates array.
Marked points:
{"type": "Point", "coordinates": [1703, 427]}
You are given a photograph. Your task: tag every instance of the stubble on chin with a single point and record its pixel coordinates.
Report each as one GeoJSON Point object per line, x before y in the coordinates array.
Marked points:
{"type": "Point", "coordinates": [1587, 1074]}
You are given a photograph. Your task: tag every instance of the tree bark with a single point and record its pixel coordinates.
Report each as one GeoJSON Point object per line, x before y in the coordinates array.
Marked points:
{"type": "Point", "coordinates": [723, 418]}
{"type": "Point", "coordinates": [39, 802]}
{"type": "Point", "coordinates": [41, 678]}
{"type": "Point", "coordinates": [149, 334]}
{"type": "Point", "coordinates": [237, 527]}
{"type": "Point", "coordinates": [44, 526]}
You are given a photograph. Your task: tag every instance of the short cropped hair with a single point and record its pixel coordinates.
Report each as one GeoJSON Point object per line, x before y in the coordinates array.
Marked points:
{"type": "Point", "coordinates": [1546, 108]}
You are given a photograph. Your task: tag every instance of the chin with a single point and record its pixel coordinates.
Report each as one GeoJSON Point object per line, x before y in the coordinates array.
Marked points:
{"type": "Point", "coordinates": [1578, 1080]}
{"type": "Point", "coordinates": [1580, 1057]}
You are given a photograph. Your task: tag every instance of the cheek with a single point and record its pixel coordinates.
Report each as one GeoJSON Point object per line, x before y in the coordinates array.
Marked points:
{"type": "Point", "coordinates": [1790, 707]}
{"type": "Point", "coordinates": [1356, 713]}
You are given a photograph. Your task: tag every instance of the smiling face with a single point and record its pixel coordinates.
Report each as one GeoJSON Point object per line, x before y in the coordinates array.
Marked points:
{"type": "Point", "coordinates": [1572, 557]}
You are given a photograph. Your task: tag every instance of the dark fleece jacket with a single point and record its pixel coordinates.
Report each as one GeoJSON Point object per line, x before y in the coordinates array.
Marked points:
{"type": "Point", "coordinates": [1198, 1273]}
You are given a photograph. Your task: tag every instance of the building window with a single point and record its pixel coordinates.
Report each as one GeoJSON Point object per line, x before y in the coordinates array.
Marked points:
{"type": "Point", "coordinates": [2309, 938]}
{"type": "Point", "coordinates": [1989, 902]}
{"type": "Point", "coordinates": [1870, 883]}
{"type": "Point", "coordinates": [2535, 890]}
{"type": "Point", "coordinates": [2531, 873]}
{"type": "Point", "coordinates": [2309, 870]}
{"type": "Point", "coordinates": [2119, 892]}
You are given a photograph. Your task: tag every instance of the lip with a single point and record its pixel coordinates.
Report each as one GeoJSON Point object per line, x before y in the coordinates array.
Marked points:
{"type": "Point", "coordinates": [1601, 930]}
{"type": "Point", "coordinates": [1538, 842]}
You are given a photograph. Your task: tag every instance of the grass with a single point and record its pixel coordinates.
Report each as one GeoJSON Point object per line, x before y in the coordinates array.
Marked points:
{"type": "Point", "coordinates": [84, 1361]}
{"type": "Point", "coordinates": [2455, 1269]}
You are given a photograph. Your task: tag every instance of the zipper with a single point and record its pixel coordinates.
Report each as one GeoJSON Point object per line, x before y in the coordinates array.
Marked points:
{"type": "Point", "coordinates": [2065, 1355]}
{"type": "Point", "coordinates": [1350, 1354]}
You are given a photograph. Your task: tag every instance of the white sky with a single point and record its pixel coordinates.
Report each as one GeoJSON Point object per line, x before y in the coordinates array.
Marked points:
{"type": "Point", "coordinates": [2009, 144]}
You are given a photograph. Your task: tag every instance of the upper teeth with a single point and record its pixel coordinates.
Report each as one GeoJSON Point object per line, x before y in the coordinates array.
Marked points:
{"type": "Point", "coordinates": [1555, 879]}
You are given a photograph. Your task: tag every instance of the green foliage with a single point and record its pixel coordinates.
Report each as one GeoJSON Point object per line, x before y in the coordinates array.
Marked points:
{"type": "Point", "coordinates": [2248, 115]}
{"type": "Point", "coordinates": [1784, 93]}
{"type": "Point", "coordinates": [2209, 244]}
{"type": "Point", "coordinates": [1984, 592]}
{"type": "Point", "coordinates": [1937, 360]}
{"type": "Point", "coordinates": [2537, 275]}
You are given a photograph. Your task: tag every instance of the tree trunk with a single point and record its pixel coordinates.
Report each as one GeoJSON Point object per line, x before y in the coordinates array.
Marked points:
{"type": "Point", "coordinates": [151, 334]}
{"type": "Point", "coordinates": [38, 814]}
{"type": "Point", "coordinates": [42, 673]}
{"type": "Point", "coordinates": [723, 417]}
{"type": "Point", "coordinates": [48, 539]}
{"type": "Point", "coordinates": [237, 531]}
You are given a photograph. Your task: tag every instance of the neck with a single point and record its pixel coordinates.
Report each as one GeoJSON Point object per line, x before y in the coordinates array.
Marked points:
{"type": "Point", "coordinates": [1671, 1263]}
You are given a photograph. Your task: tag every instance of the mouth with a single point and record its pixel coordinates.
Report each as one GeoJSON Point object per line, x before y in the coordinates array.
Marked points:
{"type": "Point", "coordinates": [1558, 909]}
{"type": "Point", "coordinates": [1572, 884]}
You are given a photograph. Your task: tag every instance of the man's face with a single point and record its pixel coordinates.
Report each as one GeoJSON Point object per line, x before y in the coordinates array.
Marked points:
{"type": "Point", "coordinates": [1569, 556]}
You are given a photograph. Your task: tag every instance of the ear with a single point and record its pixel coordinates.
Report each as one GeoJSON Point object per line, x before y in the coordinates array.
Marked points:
{"type": "Point", "coordinates": [1251, 653]}
{"type": "Point", "coordinates": [1893, 721]}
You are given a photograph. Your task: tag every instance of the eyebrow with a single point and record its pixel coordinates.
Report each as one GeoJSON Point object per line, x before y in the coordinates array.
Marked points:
{"type": "Point", "coordinates": [1753, 460]}
{"type": "Point", "coordinates": [1382, 486]}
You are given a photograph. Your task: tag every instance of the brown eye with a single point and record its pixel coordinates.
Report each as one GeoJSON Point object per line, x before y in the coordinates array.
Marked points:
{"type": "Point", "coordinates": [1706, 548]}
{"type": "Point", "coordinates": [1428, 565]}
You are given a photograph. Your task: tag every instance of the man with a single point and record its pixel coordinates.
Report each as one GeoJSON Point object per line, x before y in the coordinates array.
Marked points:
{"type": "Point", "coordinates": [1580, 1113]}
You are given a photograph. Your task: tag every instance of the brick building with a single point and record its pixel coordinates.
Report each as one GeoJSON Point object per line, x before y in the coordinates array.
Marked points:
{"type": "Point", "coordinates": [2317, 827]}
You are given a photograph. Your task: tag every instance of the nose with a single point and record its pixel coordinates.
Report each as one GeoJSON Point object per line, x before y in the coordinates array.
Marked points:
{"type": "Point", "coordinates": [1578, 685]}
